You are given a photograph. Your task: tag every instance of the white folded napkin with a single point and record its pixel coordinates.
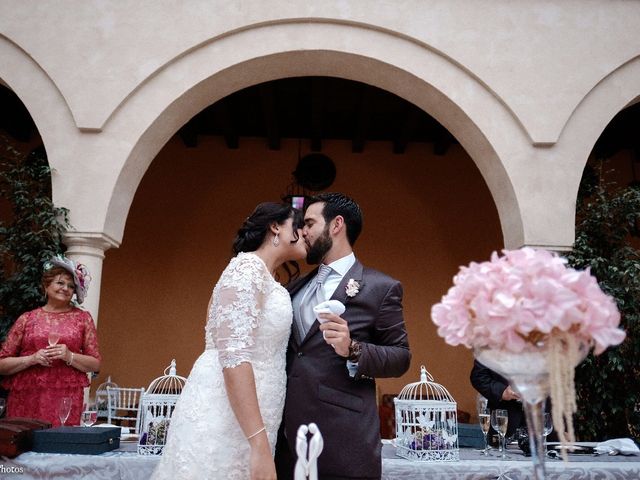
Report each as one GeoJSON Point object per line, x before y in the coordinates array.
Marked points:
{"type": "Point", "coordinates": [330, 306]}
{"type": "Point", "coordinates": [623, 446]}
{"type": "Point", "coordinates": [123, 430]}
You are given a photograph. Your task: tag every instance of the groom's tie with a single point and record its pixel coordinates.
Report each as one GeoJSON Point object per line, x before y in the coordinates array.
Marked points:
{"type": "Point", "coordinates": [313, 296]}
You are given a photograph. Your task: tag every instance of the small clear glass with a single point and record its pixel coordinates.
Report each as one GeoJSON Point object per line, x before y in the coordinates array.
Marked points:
{"type": "Point", "coordinates": [54, 338]}
{"type": "Point", "coordinates": [89, 417]}
{"type": "Point", "coordinates": [548, 428]}
{"type": "Point", "coordinates": [500, 421]}
{"type": "Point", "coordinates": [64, 409]}
{"type": "Point", "coordinates": [484, 417]}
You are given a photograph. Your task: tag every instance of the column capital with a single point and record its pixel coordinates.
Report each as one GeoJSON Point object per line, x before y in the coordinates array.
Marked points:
{"type": "Point", "coordinates": [88, 248]}
{"type": "Point", "coordinates": [88, 243]}
{"type": "Point", "coordinates": [553, 248]}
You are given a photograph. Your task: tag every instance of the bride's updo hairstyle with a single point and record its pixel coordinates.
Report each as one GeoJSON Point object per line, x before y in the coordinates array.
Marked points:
{"type": "Point", "coordinates": [254, 229]}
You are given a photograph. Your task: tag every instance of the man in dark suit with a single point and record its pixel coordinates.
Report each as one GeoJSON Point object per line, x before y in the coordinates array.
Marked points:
{"type": "Point", "coordinates": [331, 367]}
{"type": "Point", "coordinates": [499, 394]}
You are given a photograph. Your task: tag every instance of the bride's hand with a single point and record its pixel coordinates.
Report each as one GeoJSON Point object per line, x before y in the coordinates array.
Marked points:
{"type": "Point", "coordinates": [262, 465]}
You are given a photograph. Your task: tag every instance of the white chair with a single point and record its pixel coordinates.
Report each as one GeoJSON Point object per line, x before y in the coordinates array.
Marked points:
{"type": "Point", "coordinates": [308, 452]}
{"type": "Point", "coordinates": [124, 406]}
{"type": "Point", "coordinates": [101, 398]}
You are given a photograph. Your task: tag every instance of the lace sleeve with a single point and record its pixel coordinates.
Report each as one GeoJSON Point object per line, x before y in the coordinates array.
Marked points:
{"type": "Point", "coordinates": [90, 340]}
{"type": "Point", "coordinates": [235, 310]}
{"type": "Point", "coordinates": [13, 343]}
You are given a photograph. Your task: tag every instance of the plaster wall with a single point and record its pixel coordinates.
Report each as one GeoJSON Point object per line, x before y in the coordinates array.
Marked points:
{"type": "Point", "coordinates": [109, 83]}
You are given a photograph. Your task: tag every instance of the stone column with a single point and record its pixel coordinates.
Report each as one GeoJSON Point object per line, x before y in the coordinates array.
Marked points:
{"type": "Point", "coordinates": [88, 248]}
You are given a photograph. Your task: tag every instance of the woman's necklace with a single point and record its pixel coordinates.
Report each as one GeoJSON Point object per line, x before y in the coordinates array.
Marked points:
{"type": "Point", "coordinates": [49, 309]}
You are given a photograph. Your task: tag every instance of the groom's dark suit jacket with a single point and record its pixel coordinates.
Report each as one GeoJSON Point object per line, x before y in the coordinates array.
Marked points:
{"type": "Point", "coordinates": [320, 389]}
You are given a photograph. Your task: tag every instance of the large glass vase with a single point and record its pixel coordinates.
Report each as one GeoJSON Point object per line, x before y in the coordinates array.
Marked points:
{"type": "Point", "coordinates": [528, 372]}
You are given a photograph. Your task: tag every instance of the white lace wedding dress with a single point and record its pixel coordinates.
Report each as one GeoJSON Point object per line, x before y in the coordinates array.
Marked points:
{"type": "Point", "coordinates": [249, 320]}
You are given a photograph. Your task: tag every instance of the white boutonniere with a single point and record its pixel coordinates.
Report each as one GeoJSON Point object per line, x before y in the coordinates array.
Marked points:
{"type": "Point", "coordinates": [352, 288]}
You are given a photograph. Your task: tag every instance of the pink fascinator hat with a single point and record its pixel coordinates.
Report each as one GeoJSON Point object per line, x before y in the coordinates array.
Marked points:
{"type": "Point", "coordinates": [80, 274]}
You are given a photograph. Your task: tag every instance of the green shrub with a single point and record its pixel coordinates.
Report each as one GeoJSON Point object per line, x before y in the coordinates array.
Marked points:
{"type": "Point", "coordinates": [608, 386]}
{"type": "Point", "coordinates": [31, 229]}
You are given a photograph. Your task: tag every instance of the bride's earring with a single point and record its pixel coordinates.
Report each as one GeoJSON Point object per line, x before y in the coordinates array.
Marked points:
{"type": "Point", "coordinates": [276, 240]}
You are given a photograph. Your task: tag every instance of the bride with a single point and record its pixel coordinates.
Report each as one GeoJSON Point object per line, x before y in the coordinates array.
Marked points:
{"type": "Point", "coordinates": [226, 421]}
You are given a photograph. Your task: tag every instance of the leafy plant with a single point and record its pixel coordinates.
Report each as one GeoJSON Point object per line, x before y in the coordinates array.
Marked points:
{"type": "Point", "coordinates": [31, 229]}
{"type": "Point", "coordinates": [608, 386]}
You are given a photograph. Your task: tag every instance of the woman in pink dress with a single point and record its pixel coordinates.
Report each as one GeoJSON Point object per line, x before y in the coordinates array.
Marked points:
{"type": "Point", "coordinates": [49, 350]}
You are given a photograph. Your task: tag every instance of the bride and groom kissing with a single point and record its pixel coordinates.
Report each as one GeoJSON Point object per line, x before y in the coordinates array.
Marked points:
{"type": "Point", "coordinates": [271, 363]}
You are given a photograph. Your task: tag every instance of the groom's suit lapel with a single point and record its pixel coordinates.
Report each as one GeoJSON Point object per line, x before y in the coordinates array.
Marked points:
{"type": "Point", "coordinates": [355, 273]}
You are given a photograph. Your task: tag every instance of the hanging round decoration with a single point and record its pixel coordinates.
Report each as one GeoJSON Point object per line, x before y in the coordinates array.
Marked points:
{"type": "Point", "coordinates": [315, 172]}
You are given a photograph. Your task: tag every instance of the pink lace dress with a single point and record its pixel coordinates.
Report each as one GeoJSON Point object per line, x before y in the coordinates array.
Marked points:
{"type": "Point", "coordinates": [36, 391]}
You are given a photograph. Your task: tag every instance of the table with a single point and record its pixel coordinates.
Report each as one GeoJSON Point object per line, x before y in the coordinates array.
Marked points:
{"type": "Point", "coordinates": [474, 467]}
{"type": "Point", "coordinates": [125, 464]}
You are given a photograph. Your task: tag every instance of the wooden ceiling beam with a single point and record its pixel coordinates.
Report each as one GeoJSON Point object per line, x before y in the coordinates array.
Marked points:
{"type": "Point", "coordinates": [407, 129]}
{"type": "Point", "coordinates": [317, 111]}
{"type": "Point", "coordinates": [270, 115]}
{"type": "Point", "coordinates": [442, 141]}
{"type": "Point", "coordinates": [189, 134]}
{"type": "Point", "coordinates": [362, 115]}
{"type": "Point", "coordinates": [227, 124]}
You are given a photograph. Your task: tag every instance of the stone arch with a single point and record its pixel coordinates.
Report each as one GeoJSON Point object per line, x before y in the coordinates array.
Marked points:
{"type": "Point", "coordinates": [37, 91]}
{"type": "Point", "coordinates": [618, 89]}
{"type": "Point", "coordinates": [438, 85]}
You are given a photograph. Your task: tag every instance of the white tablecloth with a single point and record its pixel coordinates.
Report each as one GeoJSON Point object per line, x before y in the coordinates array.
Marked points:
{"type": "Point", "coordinates": [472, 466]}
{"type": "Point", "coordinates": [131, 466]}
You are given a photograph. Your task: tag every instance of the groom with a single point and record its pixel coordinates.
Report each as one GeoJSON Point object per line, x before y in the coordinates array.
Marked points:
{"type": "Point", "coordinates": [331, 367]}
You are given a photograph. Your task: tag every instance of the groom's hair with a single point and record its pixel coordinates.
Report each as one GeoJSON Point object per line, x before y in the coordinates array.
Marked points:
{"type": "Point", "coordinates": [339, 204]}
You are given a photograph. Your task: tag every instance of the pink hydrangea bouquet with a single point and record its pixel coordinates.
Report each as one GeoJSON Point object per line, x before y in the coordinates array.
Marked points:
{"type": "Point", "coordinates": [515, 300]}
{"type": "Point", "coordinates": [527, 311]}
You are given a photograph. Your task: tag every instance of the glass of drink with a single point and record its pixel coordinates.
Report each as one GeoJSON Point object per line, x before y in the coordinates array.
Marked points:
{"type": "Point", "coordinates": [54, 338]}
{"type": "Point", "coordinates": [3, 403]}
{"type": "Point", "coordinates": [89, 417]}
{"type": "Point", "coordinates": [548, 428]}
{"type": "Point", "coordinates": [484, 417]}
{"type": "Point", "coordinates": [64, 409]}
{"type": "Point", "coordinates": [499, 421]}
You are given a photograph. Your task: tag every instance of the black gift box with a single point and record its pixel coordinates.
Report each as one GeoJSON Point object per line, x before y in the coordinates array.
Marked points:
{"type": "Point", "coordinates": [82, 440]}
{"type": "Point", "coordinates": [470, 435]}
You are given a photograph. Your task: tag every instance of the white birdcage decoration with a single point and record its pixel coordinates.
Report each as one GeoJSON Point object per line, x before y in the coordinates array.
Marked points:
{"type": "Point", "coordinates": [426, 422]}
{"type": "Point", "coordinates": [158, 404]}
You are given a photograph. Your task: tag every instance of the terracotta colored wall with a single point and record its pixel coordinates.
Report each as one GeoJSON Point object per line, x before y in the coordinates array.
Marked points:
{"type": "Point", "coordinates": [424, 216]}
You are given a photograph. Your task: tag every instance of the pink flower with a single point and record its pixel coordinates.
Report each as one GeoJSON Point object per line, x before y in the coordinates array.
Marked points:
{"type": "Point", "coordinates": [352, 288]}
{"type": "Point", "coordinates": [524, 294]}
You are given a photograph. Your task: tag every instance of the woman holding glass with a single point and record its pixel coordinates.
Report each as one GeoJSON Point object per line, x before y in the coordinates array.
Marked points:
{"type": "Point", "coordinates": [49, 350]}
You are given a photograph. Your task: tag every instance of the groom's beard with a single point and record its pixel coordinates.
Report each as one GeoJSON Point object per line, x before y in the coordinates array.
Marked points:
{"type": "Point", "coordinates": [319, 249]}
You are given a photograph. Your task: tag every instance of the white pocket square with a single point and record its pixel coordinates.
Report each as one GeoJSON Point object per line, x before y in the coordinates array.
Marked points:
{"type": "Point", "coordinates": [330, 306]}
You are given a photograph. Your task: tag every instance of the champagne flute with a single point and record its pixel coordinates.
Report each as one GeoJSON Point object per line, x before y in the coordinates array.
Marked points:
{"type": "Point", "coordinates": [64, 409]}
{"type": "Point", "coordinates": [499, 421]}
{"type": "Point", "coordinates": [484, 417]}
{"type": "Point", "coordinates": [54, 338]}
{"type": "Point", "coordinates": [548, 428]}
